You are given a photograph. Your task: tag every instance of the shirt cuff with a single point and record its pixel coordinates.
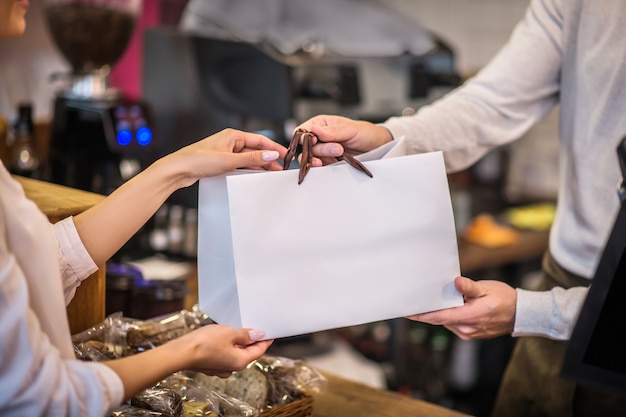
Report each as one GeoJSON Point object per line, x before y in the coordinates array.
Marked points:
{"type": "Point", "coordinates": [532, 313]}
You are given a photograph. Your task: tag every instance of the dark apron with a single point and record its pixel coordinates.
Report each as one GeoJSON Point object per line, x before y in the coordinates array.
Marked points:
{"type": "Point", "coordinates": [531, 385]}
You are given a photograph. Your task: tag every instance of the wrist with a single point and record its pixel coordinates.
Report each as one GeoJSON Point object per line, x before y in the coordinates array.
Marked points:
{"type": "Point", "coordinates": [169, 173]}
{"type": "Point", "coordinates": [180, 353]}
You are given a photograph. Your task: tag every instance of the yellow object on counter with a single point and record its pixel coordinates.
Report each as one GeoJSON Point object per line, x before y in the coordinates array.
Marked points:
{"type": "Point", "coordinates": [485, 231]}
{"type": "Point", "coordinates": [534, 216]}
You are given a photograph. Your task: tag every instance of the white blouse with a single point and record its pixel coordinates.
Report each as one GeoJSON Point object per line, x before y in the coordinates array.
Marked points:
{"type": "Point", "coordinates": [40, 267]}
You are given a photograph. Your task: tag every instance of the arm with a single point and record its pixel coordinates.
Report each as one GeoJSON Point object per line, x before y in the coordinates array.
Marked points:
{"type": "Point", "coordinates": [213, 349]}
{"type": "Point", "coordinates": [516, 89]}
{"type": "Point", "coordinates": [38, 380]}
{"type": "Point", "coordinates": [105, 227]}
{"type": "Point", "coordinates": [37, 355]}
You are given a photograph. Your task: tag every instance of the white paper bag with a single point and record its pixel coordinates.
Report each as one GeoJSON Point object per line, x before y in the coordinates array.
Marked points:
{"type": "Point", "coordinates": [340, 249]}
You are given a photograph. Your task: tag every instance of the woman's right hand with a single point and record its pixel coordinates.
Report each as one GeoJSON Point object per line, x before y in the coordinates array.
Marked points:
{"type": "Point", "coordinates": [340, 134]}
{"type": "Point", "coordinates": [213, 349]}
{"type": "Point", "coordinates": [221, 350]}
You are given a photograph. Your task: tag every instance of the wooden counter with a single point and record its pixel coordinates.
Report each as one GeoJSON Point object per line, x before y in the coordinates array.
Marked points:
{"type": "Point", "coordinates": [344, 398]}
{"type": "Point", "coordinates": [473, 258]}
{"type": "Point", "coordinates": [58, 202]}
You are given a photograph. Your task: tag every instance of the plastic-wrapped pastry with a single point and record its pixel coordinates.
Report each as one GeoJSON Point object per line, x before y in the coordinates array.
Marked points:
{"type": "Point", "coordinates": [130, 411]}
{"type": "Point", "coordinates": [148, 334]}
{"type": "Point", "coordinates": [163, 400]}
{"type": "Point", "coordinates": [198, 409]}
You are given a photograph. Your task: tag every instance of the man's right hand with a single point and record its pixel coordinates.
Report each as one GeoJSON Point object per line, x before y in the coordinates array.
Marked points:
{"type": "Point", "coordinates": [340, 134]}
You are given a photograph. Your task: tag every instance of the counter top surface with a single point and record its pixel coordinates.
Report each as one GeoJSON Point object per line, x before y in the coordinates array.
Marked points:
{"type": "Point", "coordinates": [531, 245]}
{"type": "Point", "coordinates": [58, 201]}
{"type": "Point", "coordinates": [345, 398]}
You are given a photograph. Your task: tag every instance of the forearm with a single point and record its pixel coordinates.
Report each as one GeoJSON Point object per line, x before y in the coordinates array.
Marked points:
{"type": "Point", "coordinates": [144, 370]}
{"type": "Point", "coordinates": [498, 105]}
{"type": "Point", "coordinates": [105, 227]}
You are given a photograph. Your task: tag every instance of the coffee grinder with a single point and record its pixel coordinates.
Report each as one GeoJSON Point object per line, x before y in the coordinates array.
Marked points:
{"type": "Point", "coordinates": [98, 138]}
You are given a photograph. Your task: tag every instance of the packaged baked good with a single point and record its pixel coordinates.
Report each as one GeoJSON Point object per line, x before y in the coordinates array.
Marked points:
{"type": "Point", "coordinates": [162, 400]}
{"type": "Point", "coordinates": [265, 384]}
{"type": "Point", "coordinates": [147, 334]}
{"type": "Point", "coordinates": [103, 341]}
{"type": "Point", "coordinates": [130, 411]}
{"type": "Point", "coordinates": [198, 409]}
{"type": "Point", "coordinates": [250, 385]}
{"type": "Point", "coordinates": [288, 379]}
{"type": "Point", "coordinates": [93, 350]}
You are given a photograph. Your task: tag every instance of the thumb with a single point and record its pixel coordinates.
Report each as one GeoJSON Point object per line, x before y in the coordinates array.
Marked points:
{"type": "Point", "coordinates": [469, 288]}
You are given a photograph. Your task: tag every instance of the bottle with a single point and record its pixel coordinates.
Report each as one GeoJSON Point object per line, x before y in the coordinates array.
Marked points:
{"type": "Point", "coordinates": [176, 230]}
{"type": "Point", "coordinates": [23, 158]}
{"type": "Point", "coordinates": [158, 237]}
{"type": "Point", "coordinates": [190, 246]}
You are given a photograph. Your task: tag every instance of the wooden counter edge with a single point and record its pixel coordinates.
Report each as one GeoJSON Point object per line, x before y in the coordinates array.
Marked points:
{"type": "Point", "coordinates": [343, 397]}
{"type": "Point", "coordinates": [57, 202]}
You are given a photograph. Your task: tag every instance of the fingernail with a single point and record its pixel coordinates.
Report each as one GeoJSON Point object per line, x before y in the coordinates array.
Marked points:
{"type": "Point", "coordinates": [336, 149]}
{"type": "Point", "coordinates": [270, 156]}
{"type": "Point", "coordinates": [256, 334]}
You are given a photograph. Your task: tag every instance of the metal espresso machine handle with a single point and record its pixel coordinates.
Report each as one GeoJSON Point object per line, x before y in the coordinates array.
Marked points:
{"type": "Point", "coordinates": [596, 352]}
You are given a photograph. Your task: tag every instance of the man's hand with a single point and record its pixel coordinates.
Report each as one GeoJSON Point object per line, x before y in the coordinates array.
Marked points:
{"type": "Point", "coordinates": [489, 310]}
{"type": "Point", "coordinates": [341, 135]}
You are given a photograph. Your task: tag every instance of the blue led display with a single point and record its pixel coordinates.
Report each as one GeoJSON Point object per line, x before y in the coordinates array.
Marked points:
{"type": "Point", "coordinates": [144, 136]}
{"type": "Point", "coordinates": [124, 137]}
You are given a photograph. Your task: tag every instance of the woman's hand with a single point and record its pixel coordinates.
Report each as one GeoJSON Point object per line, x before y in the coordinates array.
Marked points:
{"type": "Point", "coordinates": [213, 349]}
{"type": "Point", "coordinates": [341, 134]}
{"type": "Point", "coordinates": [222, 152]}
{"type": "Point", "coordinates": [220, 350]}
{"type": "Point", "coordinates": [105, 227]}
{"type": "Point", "coordinates": [489, 310]}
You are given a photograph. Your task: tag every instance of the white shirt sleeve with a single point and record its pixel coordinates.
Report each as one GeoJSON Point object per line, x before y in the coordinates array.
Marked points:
{"type": "Point", "coordinates": [551, 314]}
{"type": "Point", "coordinates": [39, 374]}
{"type": "Point", "coordinates": [75, 263]}
{"type": "Point", "coordinates": [516, 89]}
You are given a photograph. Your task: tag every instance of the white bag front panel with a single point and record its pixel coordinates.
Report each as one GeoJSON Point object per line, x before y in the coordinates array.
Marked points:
{"type": "Point", "coordinates": [340, 249]}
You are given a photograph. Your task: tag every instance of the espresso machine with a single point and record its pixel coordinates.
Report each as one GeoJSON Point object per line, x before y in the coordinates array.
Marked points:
{"type": "Point", "coordinates": [98, 137]}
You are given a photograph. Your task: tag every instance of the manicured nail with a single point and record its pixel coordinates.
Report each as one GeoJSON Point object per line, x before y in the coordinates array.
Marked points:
{"type": "Point", "coordinates": [336, 149]}
{"type": "Point", "coordinates": [256, 334]}
{"type": "Point", "coordinates": [270, 156]}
